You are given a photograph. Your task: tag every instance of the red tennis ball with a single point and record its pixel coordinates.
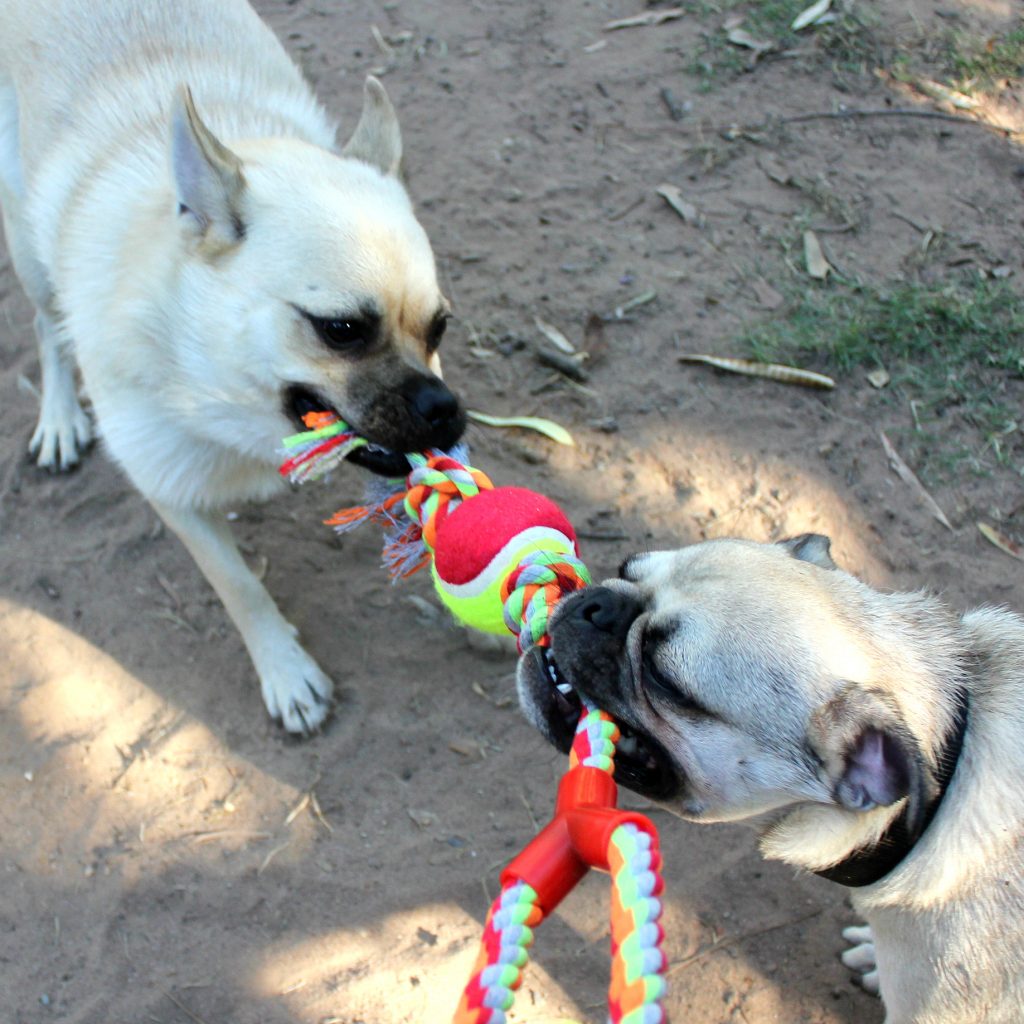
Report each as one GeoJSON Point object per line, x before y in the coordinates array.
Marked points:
{"type": "Point", "coordinates": [483, 541]}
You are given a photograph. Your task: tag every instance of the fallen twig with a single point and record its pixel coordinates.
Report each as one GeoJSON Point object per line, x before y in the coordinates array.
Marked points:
{"type": "Point", "coordinates": [252, 835]}
{"type": "Point", "coordinates": [907, 475]}
{"type": "Point", "coordinates": [184, 1009]}
{"type": "Point", "coordinates": [270, 856]}
{"type": "Point", "coordinates": [850, 115]}
{"type": "Point", "coordinates": [563, 364]}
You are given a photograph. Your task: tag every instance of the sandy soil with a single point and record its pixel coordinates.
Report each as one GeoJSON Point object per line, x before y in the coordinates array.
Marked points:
{"type": "Point", "coordinates": [167, 855]}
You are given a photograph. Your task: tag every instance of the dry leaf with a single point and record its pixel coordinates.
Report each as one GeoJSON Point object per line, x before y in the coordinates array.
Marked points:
{"type": "Point", "coordinates": [766, 295]}
{"type": "Point", "coordinates": [817, 266]}
{"type": "Point", "coordinates": [674, 198]}
{"type": "Point", "coordinates": [879, 378]}
{"type": "Point", "coordinates": [297, 809]}
{"type": "Point", "coordinates": [555, 336]}
{"type": "Point", "coordinates": [741, 37]}
{"type": "Point", "coordinates": [647, 18]}
{"type": "Point", "coordinates": [811, 15]}
{"type": "Point", "coordinates": [636, 302]}
{"type": "Point", "coordinates": [1001, 541]}
{"type": "Point", "coordinates": [769, 371]}
{"type": "Point", "coordinates": [907, 475]}
{"type": "Point", "coordinates": [382, 44]}
{"type": "Point", "coordinates": [775, 170]}
{"type": "Point", "coordinates": [548, 428]}
{"type": "Point", "coordinates": [942, 93]}
{"type": "Point", "coordinates": [422, 818]}
{"type": "Point", "coordinates": [467, 748]}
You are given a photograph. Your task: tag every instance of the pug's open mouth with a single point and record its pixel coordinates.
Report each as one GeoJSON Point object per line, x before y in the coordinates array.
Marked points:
{"type": "Point", "coordinates": [300, 400]}
{"type": "Point", "coordinates": [641, 764]}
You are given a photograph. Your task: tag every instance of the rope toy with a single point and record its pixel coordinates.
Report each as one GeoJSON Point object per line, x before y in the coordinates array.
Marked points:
{"type": "Point", "coordinates": [501, 559]}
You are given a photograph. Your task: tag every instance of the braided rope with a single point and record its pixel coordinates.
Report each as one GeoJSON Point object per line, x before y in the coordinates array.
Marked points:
{"type": "Point", "coordinates": [593, 746]}
{"type": "Point", "coordinates": [638, 963]}
{"type": "Point", "coordinates": [315, 452]}
{"type": "Point", "coordinates": [533, 588]}
{"type": "Point", "coordinates": [436, 486]}
{"type": "Point", "coordinates": [503, 955]}
{"type": "Point", "coordinates": [637, 985]}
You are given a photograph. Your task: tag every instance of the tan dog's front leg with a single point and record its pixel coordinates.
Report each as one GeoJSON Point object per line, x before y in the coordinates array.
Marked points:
{"type": "Point", "coordinates": [295, 689]}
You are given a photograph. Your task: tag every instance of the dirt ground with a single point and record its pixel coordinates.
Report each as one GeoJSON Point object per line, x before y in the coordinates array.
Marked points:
{"type": "Point", "coordinates": [167, 855]}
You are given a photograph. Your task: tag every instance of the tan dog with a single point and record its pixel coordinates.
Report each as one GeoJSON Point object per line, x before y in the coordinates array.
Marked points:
{"type": "Point", "coordinates": [214, 276]}
{"type": "Point", "coordinates": [877, 739]}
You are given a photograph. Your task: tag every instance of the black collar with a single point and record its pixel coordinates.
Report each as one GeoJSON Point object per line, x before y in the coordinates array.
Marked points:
{"type": "Point", "coordinates": [870, 864]}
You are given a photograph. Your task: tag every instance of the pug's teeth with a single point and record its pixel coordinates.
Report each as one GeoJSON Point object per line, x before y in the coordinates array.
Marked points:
{"type": "Point", "coordinates": [563, 688]}
{"type": "Point", "coordinates": [627, 745]}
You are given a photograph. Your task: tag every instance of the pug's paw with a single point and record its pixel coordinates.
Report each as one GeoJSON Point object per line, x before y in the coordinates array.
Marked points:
{"type": "Point", "coordinates": [295, 689]}
{"type": "Point", "coordinates": [860, 957]}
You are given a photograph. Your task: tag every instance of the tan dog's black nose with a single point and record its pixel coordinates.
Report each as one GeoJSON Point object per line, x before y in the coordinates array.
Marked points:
{"type": "Point", "coordinates": [437, 412]}
{"type": "Point", "coordinates": [434, 403]}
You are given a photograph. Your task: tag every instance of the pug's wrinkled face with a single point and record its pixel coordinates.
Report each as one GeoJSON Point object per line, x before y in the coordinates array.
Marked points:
{"type": "Point", "coordinates": [716, 660]}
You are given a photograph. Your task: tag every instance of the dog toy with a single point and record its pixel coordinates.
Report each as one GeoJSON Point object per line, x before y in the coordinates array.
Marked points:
{"type": "Point", "coordinates": [501, 559]}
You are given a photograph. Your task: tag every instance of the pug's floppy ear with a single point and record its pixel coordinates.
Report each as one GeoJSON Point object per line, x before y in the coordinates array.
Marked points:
{"type": "Point", "coordinates": [870, 756]}
{"type": "Point", "coordinates": [207, 175]}
{"type": "Point", "coordinates": [811, 547]}
{"type": "Point", "coordinates": [377, 139]}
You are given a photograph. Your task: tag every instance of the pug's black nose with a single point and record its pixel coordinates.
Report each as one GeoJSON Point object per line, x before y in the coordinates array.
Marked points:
{"type": "Point", "coordinates": [607, 611]}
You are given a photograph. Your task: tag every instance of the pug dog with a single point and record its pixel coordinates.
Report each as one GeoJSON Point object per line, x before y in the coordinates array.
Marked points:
{"type": "Point", "coordinates": [876, 739]}
{"type": "Point", "coordinates": [197, 244]}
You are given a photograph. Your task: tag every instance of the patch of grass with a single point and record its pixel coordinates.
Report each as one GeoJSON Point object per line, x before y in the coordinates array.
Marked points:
{"type": "Point", "coordinates": [980, 67]}
{"type": "Point", "coordinates": [847, 43]}
{"type": "Point", "coordinates": [954, 353]}
{"type": "Point", "coordinates": [972, 66]}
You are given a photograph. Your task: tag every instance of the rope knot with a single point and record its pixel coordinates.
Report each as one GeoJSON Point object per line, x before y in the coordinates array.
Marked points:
{"type": "Point", "coordinates": [436, 487]}
{"type": "Point", "coordinates": [531, 591]}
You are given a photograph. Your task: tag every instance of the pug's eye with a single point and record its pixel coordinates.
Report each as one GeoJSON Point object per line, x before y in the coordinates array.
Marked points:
{"type": "Point", "coordinates": [659, 686]}
{"type": "Point", "coordinates": [436, 332]}
{"type": "Point", "coordinates": [345, 334]}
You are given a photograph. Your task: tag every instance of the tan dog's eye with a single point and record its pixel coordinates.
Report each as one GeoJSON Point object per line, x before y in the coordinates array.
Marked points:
{"type": "Point", "coordinates": [436, 332]}
{"type": "Point", "coordinates": [345, 334]}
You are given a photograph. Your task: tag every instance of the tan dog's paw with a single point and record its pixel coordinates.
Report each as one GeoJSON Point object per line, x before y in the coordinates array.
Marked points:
{"type": "Point", "coordinates": [295, 689]}
{"type": "Point", "coordinates": [63, 431]}
{"type": "Point", "coordinates": [860, 958]}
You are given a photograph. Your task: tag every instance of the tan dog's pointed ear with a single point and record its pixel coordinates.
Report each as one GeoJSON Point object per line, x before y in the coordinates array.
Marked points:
{"type": "Point", "coordinates": [377, 139]}
{"type": "Point", "coordinates": [811, 547]}
{"type": "Point", "coordinates": [207, 175]}
{"type": "Point", "coordinates": [870, 756]}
